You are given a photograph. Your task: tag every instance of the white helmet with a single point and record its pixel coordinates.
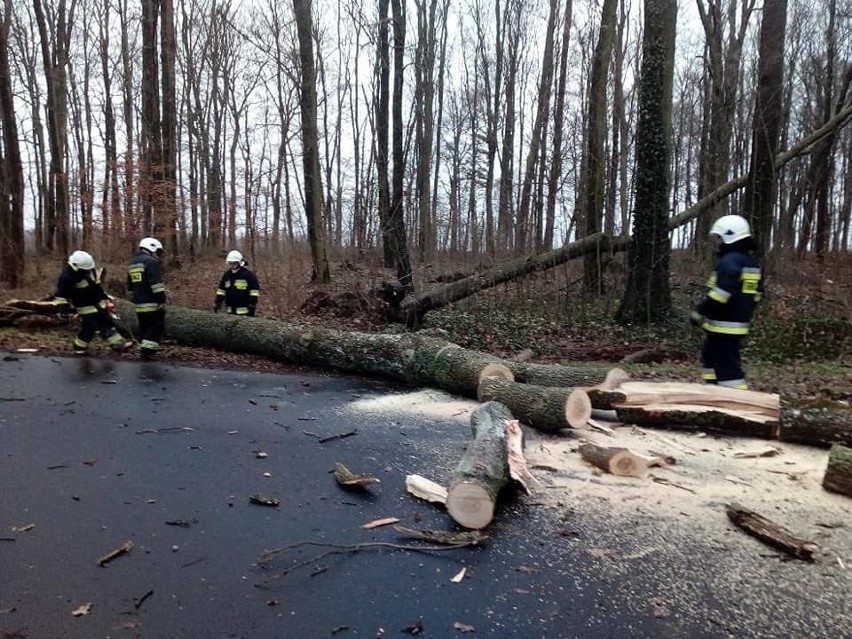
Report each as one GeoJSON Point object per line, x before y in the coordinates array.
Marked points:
{"type": "Point", "coordinates": [81, 259]}
{"type": "Point", "coordinates": [151, 245]}
{"type": "Point", "coordinates": [731, 228]}
{"type": "Point", "coordinates": [235, 256]}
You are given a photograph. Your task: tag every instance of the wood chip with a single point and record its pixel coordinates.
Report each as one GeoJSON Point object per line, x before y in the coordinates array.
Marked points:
{"type": "Point", "coordinates": [83, 610]}
{"type": "Point", "coordinates": [376, 523]}
{"type": "Point", "coordinates": [769, 451]}
{"type": "Point", "coordinates": [123, 549]}
{"type": "Point", "coordinates": [346, 477]}
{"type": "Point", "coordinates": [425, 489]}
{"type": "Point", "coordinates": [457, 579]}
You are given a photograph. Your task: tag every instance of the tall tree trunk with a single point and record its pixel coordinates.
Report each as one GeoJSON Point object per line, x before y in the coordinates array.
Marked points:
{"type": "Point", "coordinates": [594, 160]}
{"type": "Point", "coordinates": [507, 147]}
{"type": "Point", "coordinates": [12, 178]}
{"type": "Point", "coordinates": [760, 192]}
{"type": "Point", "coordinates": [55, 60]}
{"type": "Point", "coordinates": [168, 187]}
{"type": "Point", "coordinates": [647, 297]}
{"type": "Point", "coordinates": [558, 128]}
{"type": "Point", "coordinates": [542, 113]}
{"type": "Point", "coordinates": [151, 171]}
{"type": "Point", "coordinates": [310, 143]}
{"type": "Point", "coordinates": [383, 125]}
{"type": "Point", "coordinates": [397, 213]}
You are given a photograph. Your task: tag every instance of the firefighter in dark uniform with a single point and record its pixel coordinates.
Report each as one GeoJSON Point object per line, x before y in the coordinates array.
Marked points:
{"type": "Point", "coordinates": [148, 293]}
{"type": "Point", "coordinates": [726, 310]}
{"type": "Point", "coordinates": [238, 288]}
{"type": "Point", "coordinates": [80, 287]}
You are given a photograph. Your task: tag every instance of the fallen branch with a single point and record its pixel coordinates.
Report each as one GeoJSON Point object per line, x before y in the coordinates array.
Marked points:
{"type": "Point", "coordinates": [323, 440]}
{"type": "Point", "coordinates": [123, 549]}
{"type": "Point", "coordinates": [771, 533]}
{"type": "Point", "coordinates": [617, 460]}
{"type": "Point", "coordinates": [341, 549]}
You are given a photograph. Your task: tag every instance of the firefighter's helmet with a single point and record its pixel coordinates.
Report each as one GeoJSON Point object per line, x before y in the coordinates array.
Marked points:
{"type": "Point", "coordinates": [731, 228]}
{"type": "Point", "coordinates": [151, 245]}
{"type": "Point", "coordinates": [81, 259]}
{"type": "Point", "coordinates": [235, 257]}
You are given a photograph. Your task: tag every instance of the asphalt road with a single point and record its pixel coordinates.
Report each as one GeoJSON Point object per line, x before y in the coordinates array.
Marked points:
{"type": "Point", "coordinates": [96, 453]}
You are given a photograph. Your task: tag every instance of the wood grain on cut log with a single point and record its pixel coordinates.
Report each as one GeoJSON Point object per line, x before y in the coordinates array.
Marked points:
{"type": "Point", "coordinates": [816, 426]}
{"type": "Point", "coordinates": [483, 469]}
{"type": "Point", "coordinates": [692, 417]}
{"type": "Point", "coordinates": [547, 409]}
{"type": "Point", "coordinates": [771, 533]}
{"type": "Point", "coordinates": [617, 460]}
{"type": "Point", "coordinates": [838, 471]}
{"type": "Point", "coordinates": [643, 393]}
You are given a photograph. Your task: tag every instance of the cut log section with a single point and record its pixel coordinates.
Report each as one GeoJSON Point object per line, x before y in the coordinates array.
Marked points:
{"type": "Point", "coordinates": [771, 533]}
{"type": "Point", "coordinates": [644, 393]}
{"type": "Point", "coordinates": [617, 460]}
{"type": "Point", "coordinates": [838, 472]}
{"type": "Point", "coordinates": [567, 376]}
{"type": "Point", "coordinates": [483, 469]}
{"type": "Point", "coordinates": [823, 426]}
{"type": "Point", "coordinates": [543, 408]}
{"type": "Point", "coordinates": [694, 417]}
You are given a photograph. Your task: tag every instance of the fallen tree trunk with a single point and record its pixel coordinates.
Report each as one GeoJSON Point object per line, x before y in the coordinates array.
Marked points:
{"type": "Point", "coordinates": [483, 469]}
{"type": "Point", "coordinates": [838, 472]}
{"type": "Point", "coordinates": [540, 407]}
{"type": "Point", "coordinates": [408, 357]}
{"type": "Point", "coordinates": [771, 533]}
{"type": "Point", "coordinates": [694, 417]}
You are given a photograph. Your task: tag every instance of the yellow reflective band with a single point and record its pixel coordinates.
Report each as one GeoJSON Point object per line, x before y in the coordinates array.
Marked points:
{"type": "Point", "coordinates": [80, 343]}
{"type": "Point", "coordinates": [219, 291]}
{"type": "Point", "coordinates": [82, 284]}
{"type": "Point", "coordinates": [254, 293]}
{"type": "Point", "coordinates": [158, 288]}
{"type": "Point", "coordinates": [720, 295]}
{"type": "Point", "coordinates": [86, 310]}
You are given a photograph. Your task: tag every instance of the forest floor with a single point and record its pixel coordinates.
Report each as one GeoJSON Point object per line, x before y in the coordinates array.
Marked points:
{"type": "Point", "coordinates": [801, 346]}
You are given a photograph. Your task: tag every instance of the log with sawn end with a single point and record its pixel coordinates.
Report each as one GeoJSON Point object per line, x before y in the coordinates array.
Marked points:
{"type": "Point", "coordinates": [771, 533]}
{"type": "Point", "coordinates": [838, 471]}
{"type": "Point", "coordinates": [547, 409]}
{"type": "Point", "coordinates": [483, 469]}
{"type": "Point", "coordinates": [821, 426]}
{"type": "Point", "coordinates": [618, 460]}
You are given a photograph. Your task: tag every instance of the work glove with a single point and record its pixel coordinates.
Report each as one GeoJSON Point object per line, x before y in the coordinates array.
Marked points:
{"type": "Point", "coordinates": [696, 319]}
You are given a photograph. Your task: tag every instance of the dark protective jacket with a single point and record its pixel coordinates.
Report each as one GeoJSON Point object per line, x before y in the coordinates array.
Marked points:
{"type": "Point", "coordinates": [240, 291]}
{"type": "Point", "coordinates": [145, 283]}
{"type": "Point", "coordinates": [81, 289]}
{"type": "Point", "coordinates": [733, 290]}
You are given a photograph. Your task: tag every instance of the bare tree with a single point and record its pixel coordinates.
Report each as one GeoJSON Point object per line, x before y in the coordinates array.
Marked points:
{"type": "Point", "coordinates": [594, 157]}
{"type": "Point", "coordinates": [310, 143]}
{"type": "Point", "coordinates": [11, 170]}
{"type": "Point", "coordinates": [647, 296]}
{"type": "Point", "coordinates": [397, 214]}
{"type": "Point", "coordinates": [759, 203]}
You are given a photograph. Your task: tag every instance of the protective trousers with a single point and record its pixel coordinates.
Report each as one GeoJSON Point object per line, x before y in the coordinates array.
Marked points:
{"type": "Point", "coordinates": [720, 360]}
{"type": "Point", "coordinates": [92, 323]}
{"type": "Point", "coordinates": [152, 325]}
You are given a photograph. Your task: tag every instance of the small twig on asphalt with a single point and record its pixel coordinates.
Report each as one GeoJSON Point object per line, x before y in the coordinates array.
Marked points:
{"type": "Point", "coordinates": [142, 599]}
{"type": "Point", "coordinates": [341, 549]}
{"type": "Point", "coordinates": [323, 440]}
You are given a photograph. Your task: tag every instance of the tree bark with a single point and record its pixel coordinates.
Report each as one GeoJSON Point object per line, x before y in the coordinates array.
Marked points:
{"type": "Point", "coordinates": [695, 417]}
{"type": "Point", "coordinates": [483, 470]}
{"type": "Point", "coordinates": [821, 427]}
{"type": "Point", "coordinates": [838, 472]}
{"type": "Point", "coordinates": [771, 533]}
{"type": "Point", "coordinates": [310, 144]}
{"type": "Point", "coordinates": [546, 409]}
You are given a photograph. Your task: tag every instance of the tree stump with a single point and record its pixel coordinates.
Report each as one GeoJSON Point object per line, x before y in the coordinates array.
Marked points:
{"type": "Point", "coordinates": [838, 472]}
{"type": "Point", "coordinates": [540, 407]}
{"type": "Point", "coordinates": [483, 469]}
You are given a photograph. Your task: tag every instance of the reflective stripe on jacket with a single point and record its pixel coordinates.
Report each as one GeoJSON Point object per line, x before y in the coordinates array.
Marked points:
{"type": "Point", "coordinates": [733, 290]}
